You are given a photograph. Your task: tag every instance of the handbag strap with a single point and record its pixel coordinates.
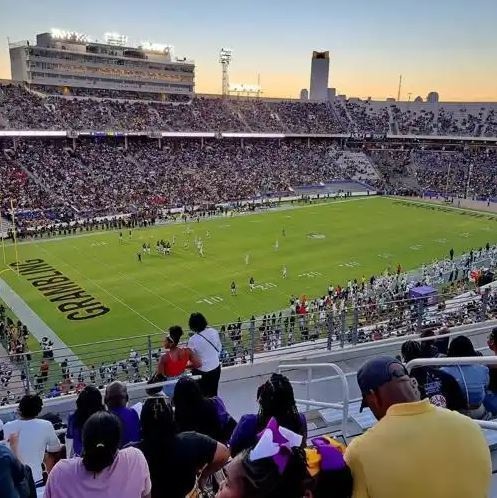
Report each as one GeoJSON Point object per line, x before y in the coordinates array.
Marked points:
{"type": "Point", "coordinates": [210, 342]}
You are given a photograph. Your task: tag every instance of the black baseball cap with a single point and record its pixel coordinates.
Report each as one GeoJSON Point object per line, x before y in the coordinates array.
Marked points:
{"type": "Point", "coordinates": [377, 372]}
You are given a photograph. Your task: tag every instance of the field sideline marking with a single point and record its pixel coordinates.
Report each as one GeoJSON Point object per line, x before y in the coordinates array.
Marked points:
{"type": "Point", "coordinates": [36, 325]}
{"type": "Point", "coordinates": [287, 207]}
{"type": "Point", "coordinates": [116, 298]}
{"type": "Point", "coordinates": [493, 214]}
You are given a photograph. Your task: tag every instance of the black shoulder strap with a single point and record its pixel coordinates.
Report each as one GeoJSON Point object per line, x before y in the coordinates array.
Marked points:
{"type": "Point", "coordinates": [205, 339]}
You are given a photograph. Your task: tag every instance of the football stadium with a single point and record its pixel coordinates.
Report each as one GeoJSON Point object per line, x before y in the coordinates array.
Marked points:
{"type": "Point", "coordinates": [236, 295]}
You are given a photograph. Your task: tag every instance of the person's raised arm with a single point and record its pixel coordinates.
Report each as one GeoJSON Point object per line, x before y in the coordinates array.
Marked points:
{"type": "Point", "coordinates": [221, 456]}
{"type": "Point", "coordinates": [53, 448]}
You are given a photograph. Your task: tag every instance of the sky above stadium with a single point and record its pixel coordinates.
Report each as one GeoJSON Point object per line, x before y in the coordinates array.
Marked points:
{"type": "Point", "coordinates": [445, 45]}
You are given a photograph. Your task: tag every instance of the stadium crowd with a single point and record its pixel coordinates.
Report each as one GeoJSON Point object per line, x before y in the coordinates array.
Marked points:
{"type": "Point", "coordinates": [49, 108]}
{"type": "Point", "coordinates": [98, 179]}
{"type": "Point", "coordinates": [463, 174]}
{"type": "Point", "coordinates": [50, 182]}
{"type": "Point", "coordinates": [185, 443]}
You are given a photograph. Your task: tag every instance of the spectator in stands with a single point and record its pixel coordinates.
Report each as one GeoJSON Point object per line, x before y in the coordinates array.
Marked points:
{"type": "Point", "coordinates": [175, 459]}
{"type": "Point", "coordinates": [205, 343]}
{"type": "Point", "coordinates": [472, 379]}
{"type": "Point", "coordinates": [275, 468]}
{"type": "Point", "coordinates": [176, 359]}
{"type": "Point", "coordinates": [442, 341]}
{"type": "Point", "coordinates": [38, 441]}
{"type": "Point", "coordinates": [490, 401]}
{"type": "Point", "coordinates": [436, 385]}
{"type": "Point", "coordinates": [195, 412]}
{"type": "Point", "coordinates": [116, 399]}
{"type": "Point", "coordinates": [89, 402]}
{"type": "Point", "coordinates": [428, 348]}
{"type": "Point", "coordinates": [13, 477]}
{"type": "Point", "coordinates": [416, 449]}
{"type": "Point", "coordinates": [276, 399]}
{"type": "Point", "coordinates": [104, 470]}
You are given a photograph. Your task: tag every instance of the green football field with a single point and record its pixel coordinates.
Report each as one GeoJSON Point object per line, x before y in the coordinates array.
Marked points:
{"type": "Point", "coordinates": [323, 243]}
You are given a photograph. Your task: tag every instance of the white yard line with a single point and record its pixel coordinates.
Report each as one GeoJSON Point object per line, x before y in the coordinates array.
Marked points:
{"type": "Point", "coordinates": [103, 289]}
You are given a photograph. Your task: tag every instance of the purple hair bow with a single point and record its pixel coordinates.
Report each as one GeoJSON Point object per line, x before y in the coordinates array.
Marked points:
{"type": "Point", "coordinates": [330, 452]}
{"type": "Point", "coordinates": [276, 442]}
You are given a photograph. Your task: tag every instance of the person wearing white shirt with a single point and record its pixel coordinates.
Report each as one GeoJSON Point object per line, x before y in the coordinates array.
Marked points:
{"type": "Point", "coordinates": [35, 436]}
{"type": "Point", "coordinates": [206, 344]}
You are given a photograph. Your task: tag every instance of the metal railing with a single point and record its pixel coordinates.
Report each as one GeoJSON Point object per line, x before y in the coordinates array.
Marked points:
{"type": "Point", "coordinates": [135, 358]}
{"type": "Point", "coordinates": [345, 388]}
{"type": "Point", "coordinates": [308, 367]}
{"type": "Point", "coordinates": [462, 361]}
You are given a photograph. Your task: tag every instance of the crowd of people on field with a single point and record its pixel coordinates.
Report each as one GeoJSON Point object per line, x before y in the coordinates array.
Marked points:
{"type": "Point", "coordinates": [180, 439]}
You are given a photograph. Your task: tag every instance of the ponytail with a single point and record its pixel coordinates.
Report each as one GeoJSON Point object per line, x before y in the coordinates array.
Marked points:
{"type": "Point", "coordinates": [97, 458]}
{"type": "Point", "coordinates": [101, 438]}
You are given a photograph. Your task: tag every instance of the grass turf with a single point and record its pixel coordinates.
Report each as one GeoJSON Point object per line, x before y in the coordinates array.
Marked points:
{"type": "Point", "coordinates": [324, 243]}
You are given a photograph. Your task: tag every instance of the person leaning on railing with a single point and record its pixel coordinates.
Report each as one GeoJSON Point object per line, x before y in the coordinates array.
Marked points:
{"type": "Point", "coordinates": [176, 360]}
{"type": "Point", "coordinates": [206, 344]}
{"type": "Point", "coordinates": [490, 400]}
{"type": "Point", "coordinates": [438, 386]}
{"type": "Point", "coordinates": [472, 379]}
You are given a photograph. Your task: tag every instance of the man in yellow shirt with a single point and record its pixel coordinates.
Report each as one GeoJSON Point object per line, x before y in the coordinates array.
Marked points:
{"type": "Point", "coordinates": [416, 450]}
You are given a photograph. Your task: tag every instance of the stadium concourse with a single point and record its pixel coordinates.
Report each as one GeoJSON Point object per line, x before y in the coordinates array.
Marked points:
{"type": "Point", "coordinates": [179, 437]}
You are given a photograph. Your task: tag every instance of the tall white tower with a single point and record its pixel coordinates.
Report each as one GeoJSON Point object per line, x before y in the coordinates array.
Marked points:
{"type": "Point", "coordinates": [320, 72]}
{"type": "Point", "coordinates": [225, 56]}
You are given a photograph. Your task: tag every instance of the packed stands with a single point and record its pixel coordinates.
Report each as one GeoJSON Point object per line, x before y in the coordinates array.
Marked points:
{"type": "Point", "coordinates": [102, 177]}
{"type": "Point", "coordinates": [22, 108]}
{"type": "Point", "coordinates": [461, 174]}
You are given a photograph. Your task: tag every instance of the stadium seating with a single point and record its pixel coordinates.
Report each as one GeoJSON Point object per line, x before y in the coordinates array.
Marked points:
{"type": "Point", "coordinates": [102, 178]}
{"type": "Point", "coordinates": [44, 108]}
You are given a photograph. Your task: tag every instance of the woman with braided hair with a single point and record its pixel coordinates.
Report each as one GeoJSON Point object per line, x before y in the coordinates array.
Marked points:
{"type": "Point", "coordinates": [276, 399]}
{"type": "Point", "coordinates": [175, 459]}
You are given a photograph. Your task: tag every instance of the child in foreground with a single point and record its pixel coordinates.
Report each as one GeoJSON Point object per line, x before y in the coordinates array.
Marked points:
{"type": "Point", "coordinates": [277, 467]}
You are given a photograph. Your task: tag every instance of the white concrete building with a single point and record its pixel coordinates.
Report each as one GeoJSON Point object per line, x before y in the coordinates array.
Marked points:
{"type": "Point", "coordinates": [70, 60]}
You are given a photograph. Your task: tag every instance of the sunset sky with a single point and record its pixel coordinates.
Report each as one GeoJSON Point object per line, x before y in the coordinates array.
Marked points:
{"type": "Point", "coordinates": [445, 45]}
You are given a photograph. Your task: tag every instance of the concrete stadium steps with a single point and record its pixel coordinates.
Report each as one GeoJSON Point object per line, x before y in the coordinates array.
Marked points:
{"type": "Point", "coordinates": [360, 161]}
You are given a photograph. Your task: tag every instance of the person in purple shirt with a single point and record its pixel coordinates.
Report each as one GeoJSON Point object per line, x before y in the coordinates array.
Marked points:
{"type": "Point", "coordinates": [116, 399]}
{"type": "Point", "coordinates": [89, 402]}
{"type": "Point", "coordinates": [276, 399]}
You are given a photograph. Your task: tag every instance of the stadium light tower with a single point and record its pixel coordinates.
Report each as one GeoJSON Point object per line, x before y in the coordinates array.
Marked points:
{"type": "Point", "coordinates": [225, 56]}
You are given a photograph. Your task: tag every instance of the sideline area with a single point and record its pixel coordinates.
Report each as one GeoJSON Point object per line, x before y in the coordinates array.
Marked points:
{"type": "Point", "coordinates": [37, 327]}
